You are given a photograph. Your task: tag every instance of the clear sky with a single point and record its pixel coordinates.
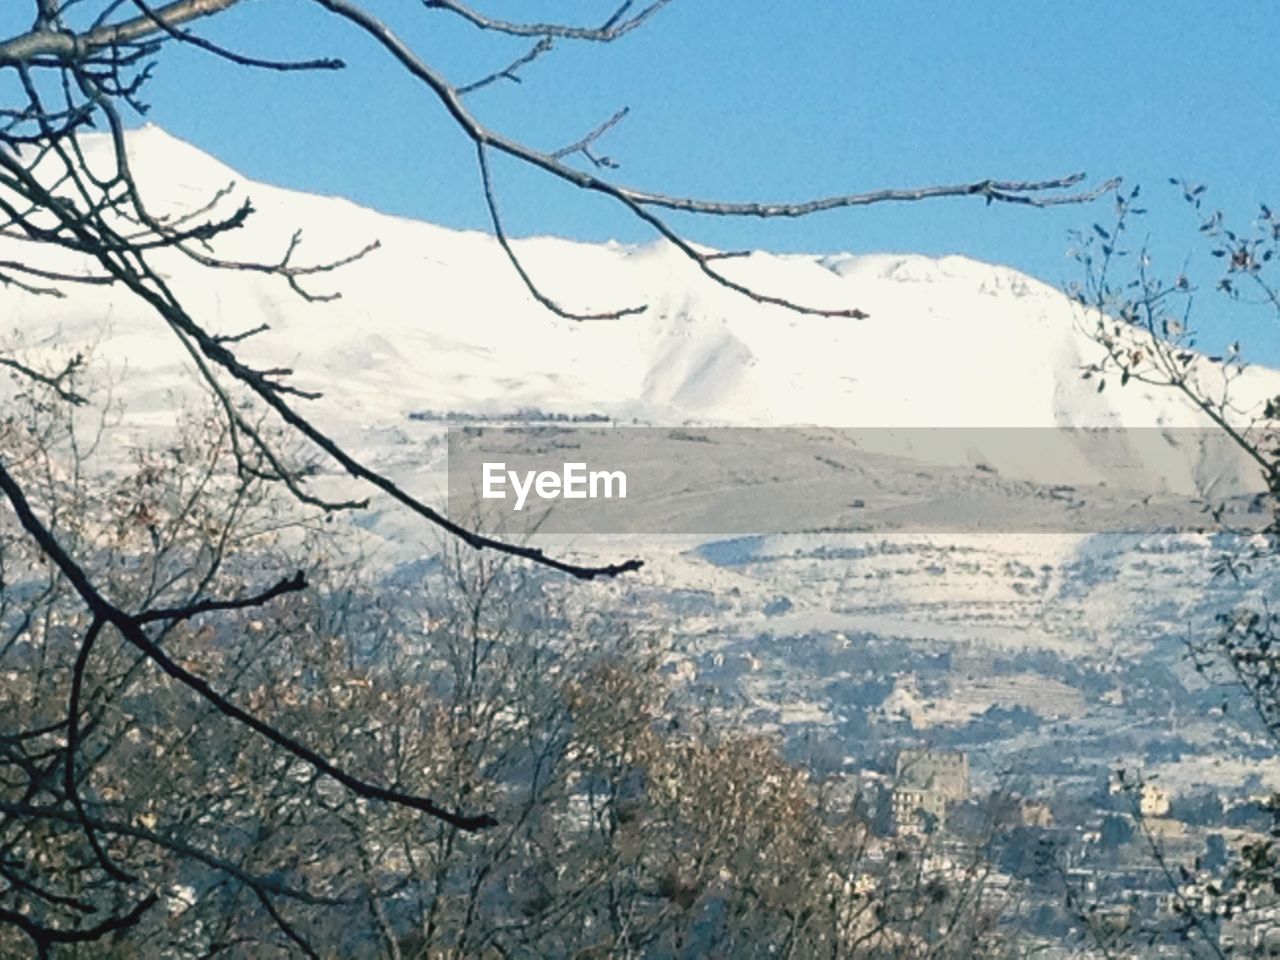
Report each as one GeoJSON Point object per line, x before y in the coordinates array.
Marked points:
{"type": "Point", "coordinates": [747, 99]}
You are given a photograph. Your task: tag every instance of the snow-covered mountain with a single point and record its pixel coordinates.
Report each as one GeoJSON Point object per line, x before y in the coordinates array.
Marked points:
{"type": "Point", "coordinates": [436, 319]}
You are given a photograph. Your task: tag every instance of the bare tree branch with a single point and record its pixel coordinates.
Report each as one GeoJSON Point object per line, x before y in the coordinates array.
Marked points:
{"type": "Point", "coordinates": [68, 47]}
{"type": "Point", "coordinates": [73, 749]}
{"type": "Point", "coordinates": [269, 885]}
{"type": "Point", "coordinates": [584, 145]}
{"type": "Point", "coordinates": [638, 202]}
{"type": "Point", "coordinates": [618, 24]}
{"type": "Point", "coordinates": [187, 37]}
{"type": "Point", "coordinates": [491, 201]}
{"type": "Point", "coordinates": [43, 937]}
{"type": "Point", "coordinates": [130, 628]}
{"type": "Point", "coordinates": [1027, 193]}
{"type": "Point", "coordinates": [292, 584]}
{"type": "Point", "coordinates": [55, 382]}
{"type": "Point", "coordinates": [512, 70]}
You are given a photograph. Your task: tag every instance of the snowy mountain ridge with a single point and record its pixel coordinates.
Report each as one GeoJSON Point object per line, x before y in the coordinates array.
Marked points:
{"type": "Point", "coordinates": [436, 319]}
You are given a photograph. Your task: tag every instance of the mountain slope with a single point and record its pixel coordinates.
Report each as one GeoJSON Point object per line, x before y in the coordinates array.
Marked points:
{"type": "Point", "coordinates": [436, 319]}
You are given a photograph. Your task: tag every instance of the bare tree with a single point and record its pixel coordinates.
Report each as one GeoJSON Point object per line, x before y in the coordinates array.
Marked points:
{"type": "Point", "coordinates": [83, 64]}
{"type": "Point", "coordinates": [1149, 325]}
{"type": "Point", "coordinates": [626, 823]}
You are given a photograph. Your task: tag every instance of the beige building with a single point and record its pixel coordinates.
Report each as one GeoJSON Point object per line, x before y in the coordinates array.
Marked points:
{"type": "Point", "coordinates": [927, 782]}
{"type": "Point", "coordinates": [1154, 801]}
{"type": "Point", "coordinates": [1035, 814]}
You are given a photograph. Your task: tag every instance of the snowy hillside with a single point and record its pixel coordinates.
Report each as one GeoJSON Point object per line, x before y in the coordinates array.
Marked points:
{"type": "Point", "coordinates": [436, 319]}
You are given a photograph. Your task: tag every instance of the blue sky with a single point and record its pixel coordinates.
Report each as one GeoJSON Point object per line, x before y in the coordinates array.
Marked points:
{"type": "Point", "coordinates": [776, 100]}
